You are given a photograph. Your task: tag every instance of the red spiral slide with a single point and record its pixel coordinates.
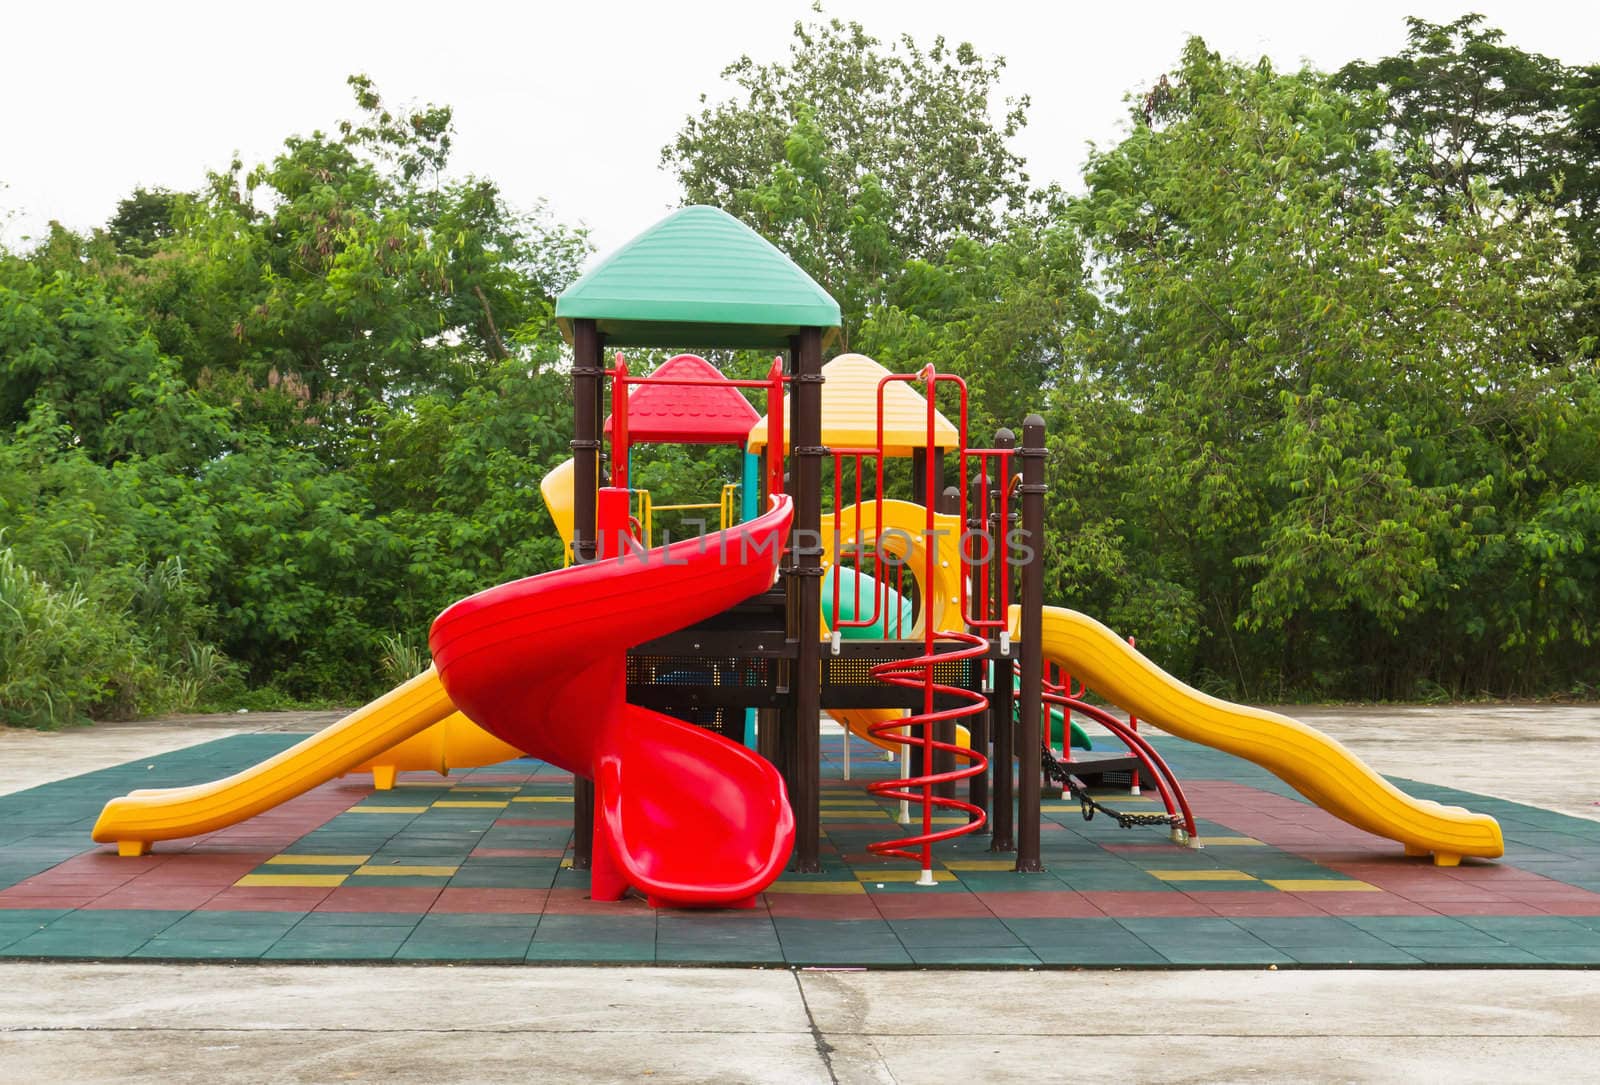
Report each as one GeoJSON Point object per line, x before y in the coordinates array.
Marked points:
{"type": "Point", "coordinates": [681, 814]}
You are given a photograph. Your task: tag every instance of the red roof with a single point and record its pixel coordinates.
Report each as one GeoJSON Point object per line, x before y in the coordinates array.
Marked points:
{"type": "Point", "coordinates": [699, 414]}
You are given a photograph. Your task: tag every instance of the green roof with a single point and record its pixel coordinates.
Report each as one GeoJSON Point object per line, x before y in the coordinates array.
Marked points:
{"type": "Point", "coordinates": [702, 278]}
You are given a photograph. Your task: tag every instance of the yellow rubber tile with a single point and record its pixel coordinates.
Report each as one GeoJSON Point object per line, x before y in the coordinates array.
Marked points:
{"type": "Point", "coordinates": [543, 798]}
{"type": "Point", "coordinates": [1201, 875]}
{"type": "Point", "coordinates": [387, 810]}
{"type": "Point", "coordinates": [1321, 885]}
{"type": "Point", "coordinates": [901, 876]}
{"type": "Point", "coordinates": [1231, 842]}
{"type": "Point", "coordinates": [299, 881]}
{"type": "Point", "coordinates": [409, 871]}
{"type": "Point", "coordinates": [471, 804]}
{"type": "Point", "coordinates": [317, 860]}
{"type": "Point", "coordinates": [566, 864]}
{"type": "Point", "coordinates": [980, 864]}
{"type": "Point", "coordinates": [469, 789]}
{"type": "Point", "coordinates": [821, 888]}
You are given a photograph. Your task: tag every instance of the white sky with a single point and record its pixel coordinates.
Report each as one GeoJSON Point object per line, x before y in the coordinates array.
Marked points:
{"type": "Point", "coordinates": [572, 102]}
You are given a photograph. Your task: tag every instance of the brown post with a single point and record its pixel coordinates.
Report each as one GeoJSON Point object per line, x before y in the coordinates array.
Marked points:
{"type": "Point", "coordinates": [588, 397]}
{"type": "Point", "coordinates": [805, 584]}
{"type": "Point", "coordinates": [1002, 818]}
{"type": "Point", "coordinates": [1032, 454]}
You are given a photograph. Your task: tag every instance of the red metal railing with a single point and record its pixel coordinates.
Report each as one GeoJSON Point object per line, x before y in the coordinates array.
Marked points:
{"type": "Point", "coordinates": [772, 383]}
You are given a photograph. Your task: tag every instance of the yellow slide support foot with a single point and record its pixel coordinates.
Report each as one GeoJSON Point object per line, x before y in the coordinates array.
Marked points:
{"type": "Point", "coordinates": [131, 848]}
{"type": "Point", "coordinates": [383, 776]}
{"type": "Point", "coordinates": [1444, 858]}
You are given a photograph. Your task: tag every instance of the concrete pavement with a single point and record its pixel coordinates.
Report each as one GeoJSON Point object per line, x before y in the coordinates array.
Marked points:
{"type": "Point", "coordinates": [196, 1024]}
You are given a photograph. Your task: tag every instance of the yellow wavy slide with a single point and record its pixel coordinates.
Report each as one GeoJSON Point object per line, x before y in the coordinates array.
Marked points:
{"type": "Point", "coordinates": [1317, 766]}
{"type": "Point", "coordinates": [414, 725]}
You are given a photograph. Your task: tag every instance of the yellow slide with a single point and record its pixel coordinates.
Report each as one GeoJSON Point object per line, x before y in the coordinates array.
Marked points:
{"type": "Point", "coordinates": [138, 819]}
{"type": "Point", "coordinates": [1317, 766]}
{"type": "Point", "coordinates": [455, 742]}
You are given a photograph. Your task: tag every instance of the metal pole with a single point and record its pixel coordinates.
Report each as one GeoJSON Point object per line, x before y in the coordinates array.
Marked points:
{"type": "Point", "coordinates": [1032, 454]}
{"type": "Point", "coordinates": [588, 402]}
{"type": "Point", "coordinates": [1003, 815]}
{"type": "Point", "coordinates": [805, 401]}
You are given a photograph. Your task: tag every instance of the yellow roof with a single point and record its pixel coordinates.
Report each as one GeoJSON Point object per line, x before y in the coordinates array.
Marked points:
{"type": "Point", "coordinates": [850, 411]}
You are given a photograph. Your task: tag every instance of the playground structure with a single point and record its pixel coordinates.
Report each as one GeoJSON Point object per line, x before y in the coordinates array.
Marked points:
{"type": "Point", "coordinates": [933, 635]}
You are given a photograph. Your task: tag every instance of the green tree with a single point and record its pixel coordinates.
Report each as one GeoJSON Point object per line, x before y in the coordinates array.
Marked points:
{"type": "Point", "coordinates": [853, 156]}
{"type": "Point", "coordinates": [1343, 396]}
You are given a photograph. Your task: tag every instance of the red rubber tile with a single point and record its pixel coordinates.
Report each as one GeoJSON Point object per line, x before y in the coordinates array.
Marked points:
{"type": "Point", "coordinates": [267, 899]}
{"type": "Point", "coordinates": [178, 898]}
{"type": "Point", "coordinates": [1135, 904]}
{"type": "Point", "coordinates": [1467, 907]}
{"type": "Point", "coordinates": [496, 901]}
{"type": "Point", "coordinates": [379, 898]}
{"type": "Point", "coordinates": [931, 905]}
{"type": "Point", "coordinates": [11, 898]}
{"type": "Point", "coordinates": [822, 906]}
{"type": "Point", "coordinates": [577, 902]}
{"type": "Point", "coordinates": [1260, 905]}
{"type": "Point", "coordinates": [1369, 904]}
{"type": "Point", "coordinates": [1045, 904]}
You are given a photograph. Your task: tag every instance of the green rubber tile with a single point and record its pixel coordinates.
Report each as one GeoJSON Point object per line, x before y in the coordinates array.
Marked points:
{"type": "Point", "coordinates": [242, 946]}
{"type": "Point", "coordinates": [973, 956]}
{"type": "Point", "coordinates": [845, 931]}
{"type": "Point", "coordinates": [19, 924]}
{"type": "Point", "coordinates": [509, 877]}
{"type": "Point", "coordinates": [1474, 955]}
{"type": "Point", "coordinates": [1532, 931]}
{"type": "Point", "coordinates": [1415, 932]}
{"type": "Point", "coordinates": [916, 934]}
{"type": "Point", "coordinates": [1300, 932]}
{"type": "Point", "coordinates": [1089, 942]}
{"type": "Point", "coordinates": [691, 953]}
{"type": "Point", "coordinates": [1202, 941]}
{"type": "Point", "coordinates": [1585, 954]}
{"type": "Point", "coordinates": [319, 920]}
{"type": "Point", "coordinates": [835, 955]}
{"type": "Point", "coordinates": [552, 950]}
{"type": "Point", "coordinates": [1379, 953]}
{"type": "Point", "coordinates": [100, 934]}
{"type": "Point", "coordinates": [469, 938]}
{"type": "Point", "coordinates": [315, 938]}
{"type": "Point", "coordinates": [598, 928]}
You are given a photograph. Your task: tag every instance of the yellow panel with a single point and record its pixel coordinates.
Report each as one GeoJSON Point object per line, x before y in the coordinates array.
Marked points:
{"type": "Point", "coordinates": [830, 888]}
{"type": "Point", "coordinates": [543, 798]}
{"type": "Point", "coordinates": [1201, 875]}
{"type": "Point", "coordinates": [471, 804]}
{"type": "Point", "coordinates": [850, 411]}
{"type": "Point", "coordinates": [317, 860]}
{"type": "Point", "coordinates": [409, 871]}
{"type": "Point", "coordinates": [1315, 765]}
{"type": "Point", "coordinates": [387, 810]}
{"type": "Point", "coordinates": [1321, 885]}
{"type": "Point", "coordinates": [294, 881]}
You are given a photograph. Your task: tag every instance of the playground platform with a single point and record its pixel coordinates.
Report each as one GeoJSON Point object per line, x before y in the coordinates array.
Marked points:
{"type": "Point", "coordinates": [476, 868]}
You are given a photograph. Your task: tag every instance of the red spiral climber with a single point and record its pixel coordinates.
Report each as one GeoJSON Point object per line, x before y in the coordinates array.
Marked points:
{"type": "Point", "coordinates": [917, 672]}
